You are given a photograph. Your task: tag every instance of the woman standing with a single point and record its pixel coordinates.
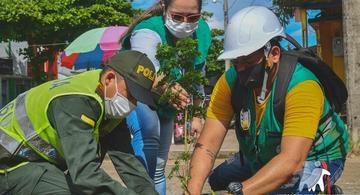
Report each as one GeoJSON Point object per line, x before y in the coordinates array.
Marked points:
{"type": "Point", "coordinates": [165, 23]}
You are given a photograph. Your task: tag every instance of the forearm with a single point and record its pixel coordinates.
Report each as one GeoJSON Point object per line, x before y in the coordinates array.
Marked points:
{"type": "Point", "coordinates": [201, 164]}
{"type": "Point", "coordinates": [205, 153]}
{"type": "Point", "coordinates": [92, 181]}
{"type": "Point", "coordinates": [132, 172]}
{"type": "Point", "coordinates": [275, 173]}
{"type": "Point", "coordinates": [84, 167]}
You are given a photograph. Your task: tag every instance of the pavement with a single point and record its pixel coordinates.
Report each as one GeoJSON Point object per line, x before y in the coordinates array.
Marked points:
{"type": "Point", "coordinates": [349, 182]}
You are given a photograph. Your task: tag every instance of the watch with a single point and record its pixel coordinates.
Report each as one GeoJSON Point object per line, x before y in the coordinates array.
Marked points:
{"type": "Point", "coordinates": [235, 188]}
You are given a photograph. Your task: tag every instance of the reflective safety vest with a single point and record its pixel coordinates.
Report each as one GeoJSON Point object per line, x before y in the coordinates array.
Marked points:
{"type": "Point", "coordinates": [25, 131]}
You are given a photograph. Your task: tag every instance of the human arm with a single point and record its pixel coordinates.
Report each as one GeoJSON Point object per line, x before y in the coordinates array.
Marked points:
{"type": "Point", "coordinates": [203, 157]}
{"type": "Point", "coordinates": [128, 167]}
{"type": "Point", "coordinates": [81, 150]}
{"type": "Point", "coordinates": [300, 126]}
{"type": "Point", "coordinates": [218, 117]}
{"type": "Point", "coordinates": [281, 168]}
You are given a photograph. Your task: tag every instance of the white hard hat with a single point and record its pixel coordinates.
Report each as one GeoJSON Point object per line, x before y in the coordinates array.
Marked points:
{"type": "Point", "coordinates": [249, 30]}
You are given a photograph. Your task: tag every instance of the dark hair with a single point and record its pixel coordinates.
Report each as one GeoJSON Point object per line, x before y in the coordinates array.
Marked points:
{"type": "Point", "coordinates": [155, 10]}
{"type": "Point", "coordinates": [275, 41]}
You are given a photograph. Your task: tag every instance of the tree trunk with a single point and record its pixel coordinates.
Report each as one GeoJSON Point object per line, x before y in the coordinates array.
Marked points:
{"type": "Point", "coordinates": [351, 22]}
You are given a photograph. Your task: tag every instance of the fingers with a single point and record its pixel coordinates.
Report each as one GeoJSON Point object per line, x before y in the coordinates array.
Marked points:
{"type": "Point", "coordinates": [178, 89]}
{"type": "Point", "coordinates": [158, 78]}
{"type": "Point", "coordinates": [182, 99]}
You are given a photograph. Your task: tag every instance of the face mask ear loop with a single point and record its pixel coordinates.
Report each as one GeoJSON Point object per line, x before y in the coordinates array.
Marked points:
{"type": "Point", "coordinates": [115, 88]}
{"type": "Point", "coordinates": [116, 85]}
{"type": "Point", "coordinates": [267, 49]}
{"type": "Point", "coordinates": [105, 97]}
{"type": "Point", "coordinates": [261, 98]}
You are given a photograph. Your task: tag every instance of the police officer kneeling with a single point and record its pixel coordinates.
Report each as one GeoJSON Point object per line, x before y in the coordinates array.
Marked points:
{"type": "Point", "coordinates": [67, 125]}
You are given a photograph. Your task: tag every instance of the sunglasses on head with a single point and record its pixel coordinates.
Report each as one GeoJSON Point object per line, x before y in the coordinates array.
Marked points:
{"type": "Point", "coordinates": [191, 18]}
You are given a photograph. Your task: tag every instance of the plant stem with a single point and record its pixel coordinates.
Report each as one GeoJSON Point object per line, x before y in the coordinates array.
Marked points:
{"type": "Point", "coordinates": [186, 136]}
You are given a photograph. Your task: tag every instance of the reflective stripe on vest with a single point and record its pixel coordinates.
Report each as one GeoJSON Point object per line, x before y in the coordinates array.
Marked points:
{"type": "Point", "coordinates": [9, 143]}
{"type": "Point", "coordinates": [30, 135]}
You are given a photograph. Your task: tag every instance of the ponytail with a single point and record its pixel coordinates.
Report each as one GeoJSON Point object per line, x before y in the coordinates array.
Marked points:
{"type": "Point", "coordinates": [155, 10]}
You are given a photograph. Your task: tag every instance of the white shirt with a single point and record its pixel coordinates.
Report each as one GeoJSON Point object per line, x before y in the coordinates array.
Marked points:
{"type": "Point", "coordinates": [146, 41]}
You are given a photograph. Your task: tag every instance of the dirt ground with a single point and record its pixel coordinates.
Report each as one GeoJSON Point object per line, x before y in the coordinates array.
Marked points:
{"type": "Point", "coordinates": [349, 182]}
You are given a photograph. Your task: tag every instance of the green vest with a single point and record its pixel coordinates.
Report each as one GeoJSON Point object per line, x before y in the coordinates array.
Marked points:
{"type": "Point", "coordinates": [156, 24]}
{"type": "Point", "coordinates": [331, 141]}
{"type": "Point", "coordinates": [25, 131]}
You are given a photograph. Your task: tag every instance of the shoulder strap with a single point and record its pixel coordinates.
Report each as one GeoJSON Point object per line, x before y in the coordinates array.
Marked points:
{"type": "Point", "coordinates": [287, 66]}
{"type": "Point", "coordinates": [239, 95]}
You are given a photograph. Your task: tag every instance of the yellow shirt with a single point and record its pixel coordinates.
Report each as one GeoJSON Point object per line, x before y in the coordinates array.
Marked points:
{"type": "Point", "coordinates": [303, 107]}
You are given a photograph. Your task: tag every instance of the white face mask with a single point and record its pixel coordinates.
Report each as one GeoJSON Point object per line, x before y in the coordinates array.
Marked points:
{"type": "Point", "coordinates": [180, 29]}
{"type": "Point", "coordinates": [118, 106]}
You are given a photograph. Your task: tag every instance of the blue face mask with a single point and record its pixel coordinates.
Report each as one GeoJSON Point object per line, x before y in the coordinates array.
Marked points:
{"type": "Point", "coordinates": [117, 107]}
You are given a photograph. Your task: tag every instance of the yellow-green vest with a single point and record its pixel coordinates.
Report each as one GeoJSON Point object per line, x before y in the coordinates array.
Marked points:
{"type": "Point", "coordinates": [25, 131]}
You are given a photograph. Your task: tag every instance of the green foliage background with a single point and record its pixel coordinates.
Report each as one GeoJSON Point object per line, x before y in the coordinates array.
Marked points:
{"type": "Point", "coordinates": [57, 21]}
{"type": "Point", "coordinates": [49, 21]}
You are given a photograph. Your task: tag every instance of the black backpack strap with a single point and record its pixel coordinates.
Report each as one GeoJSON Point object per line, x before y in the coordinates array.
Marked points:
{"type": "Point", "coordinates": [287, 66]}
{"type": "Point", "coordinates": [239, 96]}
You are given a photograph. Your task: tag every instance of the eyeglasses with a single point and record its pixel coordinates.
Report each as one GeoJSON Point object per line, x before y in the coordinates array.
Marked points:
{"type": "Point", "coordinates": [191, 18]}
{"type": "Point", "coordinates": [253, 58]}
{"type": "Point", "coordinates": [246, 61]}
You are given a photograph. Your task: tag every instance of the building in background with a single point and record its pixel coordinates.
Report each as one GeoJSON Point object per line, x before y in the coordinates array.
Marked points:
{"type": "Point", "coordinates": [337, 29]}
{"type": "Point", "coordinates": [14, 78]}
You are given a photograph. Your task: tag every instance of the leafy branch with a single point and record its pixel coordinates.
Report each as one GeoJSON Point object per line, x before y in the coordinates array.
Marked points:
{"type": "Point", "coordinates": [213, 66]}
{"type": "Point", "coordinates": [177, 64]}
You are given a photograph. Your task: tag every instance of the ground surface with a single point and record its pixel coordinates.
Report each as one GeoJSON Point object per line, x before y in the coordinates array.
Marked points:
{"type": "Point", "coordinates": [349, 182]}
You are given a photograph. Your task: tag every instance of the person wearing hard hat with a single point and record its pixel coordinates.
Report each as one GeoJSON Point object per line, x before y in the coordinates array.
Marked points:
{"type": "Point", "coordinates": [67, 125]}
{"type": "Point", "coordinates": [166, 23]}
{"type": "Point", "coordinates": [286, 156]}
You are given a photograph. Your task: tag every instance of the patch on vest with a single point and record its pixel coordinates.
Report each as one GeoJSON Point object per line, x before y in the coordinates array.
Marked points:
{"type": "Point", "coordinates": [245, 119]}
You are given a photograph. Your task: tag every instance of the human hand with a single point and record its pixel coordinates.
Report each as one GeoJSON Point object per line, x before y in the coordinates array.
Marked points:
{"type": "Point", "coordinates": [182, 97]}
{"type": "Point", "coordinates": [196, 127]}
{"type": "Point", "coordinates": [157, 79]}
